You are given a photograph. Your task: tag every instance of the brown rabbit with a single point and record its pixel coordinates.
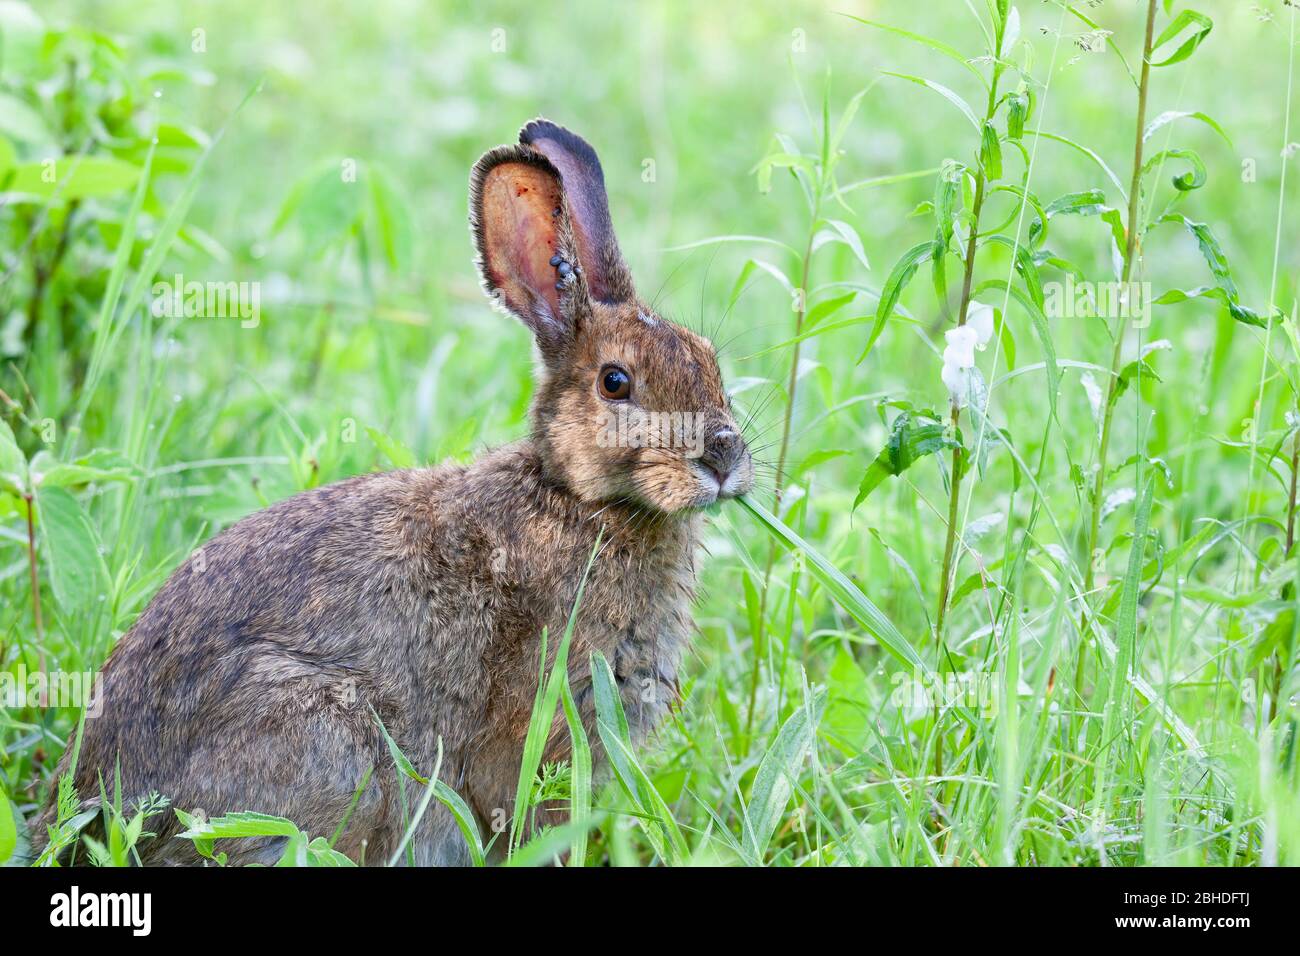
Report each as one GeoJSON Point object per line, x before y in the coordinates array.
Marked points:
{"type": "Point", "coordinates": [248, 681]}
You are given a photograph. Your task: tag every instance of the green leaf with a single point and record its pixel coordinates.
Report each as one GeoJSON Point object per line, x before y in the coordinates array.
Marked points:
{"type": "Point", "coordinates": [772, 786]}
{"type": "Point", "coordinates": [842, 232]}
{"type": "Point", "coordinates": [1170, 115]}
{"type": "Point", "coordinates": [848, 719]}
{"type": "Point", "coordinates": [21, 121]}
{"type": "Point", "coordinates": [946, 187]}
{"type": "Point", "coordinates": [1044, 333]}
{"type": "Point", "coordinates": [1238, 311]}
{"type": "Point", "coordinates": [1193, 179]}
{"type": "Point", "coordinates": [943, 91]}
{"type": "Point", "coordinates": [1125, 640]}
{"type": "Point", "coordinates": [8, 829]}
{"type": "Point", "coordinates": [99, 465]}
{"type": "Point", "coordinates": [445, 795]}
{"type": "Point", "coordinates": [76, 566]}
{"type": "Point", "coordinates": [107, 332]}
{"type": "Point", "coordinates": [13, 465]}
{"type": "Point", "coordinates": [1137, 368]}
{"type": "Point", "coordinates": [653, 814]}
{"type": "Point", "coordinates": [909, 442]}
{"type": "Point", "coordinates": [545, 701]}
{"type": "Point", "coordinates": [400, 759]}
{"type": "Point", "coordinates": [74, 177]}
{"type": "Point", "coordinates": [243, 823]}
{"type": "Point", "coordinates": [393, 449]}
{"type": "Point", "coordinates": [1219, 268]}
{"type": "Point", "coordinates": [320, 853]}
{"type": "Point", "coordinates": [826, 307]}
{"type": "Point", "coordinates": [990, 153]}
{"type": "Point", "coordinates": [1025, 266]}
{"type": "Point", "coordinates": [326, 205]}
{"type": "Point", "coordinates": [1088, 202]}
{"type": "Point", "coordinates": [392, 219]}
{"type": "Point", "coordinates": [898, 279]}
{"type": "Point", "coordinates": [1091, 154]}
{"type": "Point", "coordinates": [781, 160]}
{"type": "Point", "coordinates": [1201, 26]}
{"type": "Point", "coordinates": [845, 593]}
{"type": "Point", "coordinates": [938, 45]}
{"type": "Point", "coordinates": [1018, 105]}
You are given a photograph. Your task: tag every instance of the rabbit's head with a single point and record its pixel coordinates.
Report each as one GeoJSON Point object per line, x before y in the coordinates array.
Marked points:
{"type": "Point", "coordinates": [629, 405]}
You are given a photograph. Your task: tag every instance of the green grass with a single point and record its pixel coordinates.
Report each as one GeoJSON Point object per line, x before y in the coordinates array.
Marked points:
{"type": "Point", "coordinates": [1098, 564]}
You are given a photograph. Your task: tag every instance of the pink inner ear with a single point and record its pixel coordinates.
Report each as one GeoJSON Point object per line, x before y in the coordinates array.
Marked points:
{"type": "Point", "coordinates": [519, 226]}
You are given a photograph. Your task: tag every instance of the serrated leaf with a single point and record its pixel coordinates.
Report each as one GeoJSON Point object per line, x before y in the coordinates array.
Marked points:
{"type": "Point", "coordinates": [1087, 202]}
{"type": "Point", "coordinates": [77, 570]}
{"type": "Point", "coordinates": [100, 465]}
{"type": "Point", "coordinates": [909, 442]}
{"type": "Point", "coordinates": [1217, 260]}
{"type": "Point", "coordinates": [243, 823]}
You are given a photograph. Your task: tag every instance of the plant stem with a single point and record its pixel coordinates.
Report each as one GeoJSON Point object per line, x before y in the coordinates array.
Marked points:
{"type": "Point", "coordinates": [791, 387]}
{"type": "Point", "coordinates": [954, 494]}
{"type": "Point", "coordinates": [954, 482]}
{"type": "Point", "coordinates": [36, 589]}
{"type": "Point", "coordinates": [1290, 511]}
{"type": "Point", "coordinates": [1132, 230]}
{"type": "Point", "coordinates": [1278, 670]}
{"type": "Point", "coordinates": [792, 382]}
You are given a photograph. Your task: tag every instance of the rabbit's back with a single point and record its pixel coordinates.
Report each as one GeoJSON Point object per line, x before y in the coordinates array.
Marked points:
{"type": "Point", "coordinates": [248, 680]}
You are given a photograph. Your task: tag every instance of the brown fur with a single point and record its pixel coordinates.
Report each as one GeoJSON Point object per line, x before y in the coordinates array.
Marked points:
{"type": "Point", "coordinates": [248, 681]}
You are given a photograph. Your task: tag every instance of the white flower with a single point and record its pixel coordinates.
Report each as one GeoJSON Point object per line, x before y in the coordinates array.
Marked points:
{"type": "Point", "coordinates": [980, 318]}
{"type": "Point", "coordinates": [958, 382]}
{"type": "Point", "coordinates": [958, 363]}
{"type": "Point", "coordinates": [960, 352]}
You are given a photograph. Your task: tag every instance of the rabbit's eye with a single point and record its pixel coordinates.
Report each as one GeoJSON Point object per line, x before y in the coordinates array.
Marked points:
{"type": "Point", "coordinates": [615, 384]}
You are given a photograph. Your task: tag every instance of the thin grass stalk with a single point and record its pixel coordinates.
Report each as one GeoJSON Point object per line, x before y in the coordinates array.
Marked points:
{"type": "Point", "coordinates": [955, 479]}
{"type": "Point", "coordinates": [792, 385]}
{"type": "Point", "coordinates": [1132, 230]}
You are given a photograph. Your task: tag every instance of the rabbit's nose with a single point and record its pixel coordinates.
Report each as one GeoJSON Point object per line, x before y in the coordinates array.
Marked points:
{"type": "Point", "coordinates": [722, 452]}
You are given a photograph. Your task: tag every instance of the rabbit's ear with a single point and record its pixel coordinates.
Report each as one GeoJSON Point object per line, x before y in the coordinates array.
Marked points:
{"type": "Point", "coordinates": [521, 227]}
{"type": "Point", "coordinates": [584, 186]}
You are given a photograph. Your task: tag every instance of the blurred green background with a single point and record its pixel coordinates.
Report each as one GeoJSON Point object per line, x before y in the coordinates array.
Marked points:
{"type": "Point", "coordinates": [371, 318]}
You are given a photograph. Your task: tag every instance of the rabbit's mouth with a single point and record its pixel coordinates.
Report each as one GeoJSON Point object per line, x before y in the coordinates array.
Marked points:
{"type": "Point", "coordinates": [721, 482]}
